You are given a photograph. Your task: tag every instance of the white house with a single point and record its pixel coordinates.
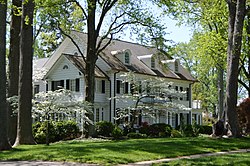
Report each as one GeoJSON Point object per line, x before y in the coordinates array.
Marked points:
{"type": "Point", "coordinates": [66, 68]}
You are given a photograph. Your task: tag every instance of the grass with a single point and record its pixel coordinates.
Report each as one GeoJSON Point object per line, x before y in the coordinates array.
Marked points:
{"type": "Point", "coordinates": [121, 152]}
{"type": "Point", "coordinates": [241, 159]}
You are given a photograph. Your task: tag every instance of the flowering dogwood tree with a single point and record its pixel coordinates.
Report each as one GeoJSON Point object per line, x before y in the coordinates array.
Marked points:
{"type": "Point", "coordinates": [147, 96]}
{"type": "Point", "coordinates": [60, 104]}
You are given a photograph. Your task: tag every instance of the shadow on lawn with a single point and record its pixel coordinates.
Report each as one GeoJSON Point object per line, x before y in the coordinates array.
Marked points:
{"type": "Point", "coordinates": [124, 151]}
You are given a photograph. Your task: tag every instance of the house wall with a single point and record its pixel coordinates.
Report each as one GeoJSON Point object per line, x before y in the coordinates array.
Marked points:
{"type": "Point", "coordinates": [105, 108]}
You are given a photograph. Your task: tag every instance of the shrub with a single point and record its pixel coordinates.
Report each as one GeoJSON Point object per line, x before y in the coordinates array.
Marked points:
{"type": "Point", "coordinates": [136, 135]}
{"type": "Point", "coordinates": [117, 132]}
{"type": "Point", "coordinates": [144, 129]}
{"type": "Point", "coordinates": [205, 129]}
{"type": "Point", "coordinates": [176, 134]}
{"type": "Point", "coordinates": [189, 130]}
{"type": "Point", "coordinates": [62, 130]}
{"type": "Point", "coordinates": [168, 130]}
{"type": "Point", "coordinates": [104, 128]}
{"type": "Point", "coordinates": [157, 128]}
{"type": "Point", "coordinates": [66, 130]}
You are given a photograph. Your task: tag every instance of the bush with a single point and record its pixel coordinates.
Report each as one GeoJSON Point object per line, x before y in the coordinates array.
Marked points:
{"type": "Point", "coordinates": [168, 130]}
{"type": "Point", "coordinates": [189, 130]}
{"type": "Point", "coordinates": [176, 134]}
{"type": "Point", "coordinates": [205, 129]}
{"type": "Point", "coordinates": [144, 129]}
{"type": "Point", "coordinates": [63, 130]}
{"type": "Point", "coordinates": [104, 128]}
{"type": "Point", "coordinates": [117, 132]}
{"type": "Point", "coordinates": [136, 135]}
{"type": "Point", "coordinates": [66, 130]}
{"type": "Point", "coordinates": [159, 129]}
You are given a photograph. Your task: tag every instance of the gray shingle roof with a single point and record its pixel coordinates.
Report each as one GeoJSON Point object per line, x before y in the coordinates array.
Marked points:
{"type": "Point", "coordinates": [81, 65]}
{"type": "Point", "coordinates": [137, 65]}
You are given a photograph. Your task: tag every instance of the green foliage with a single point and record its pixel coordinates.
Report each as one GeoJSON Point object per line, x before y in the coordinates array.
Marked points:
{"type": "Point", "coordinates": [176, 134]}
{"type": "Point", "coordinates": [144, 129]}
{"type": "Point", "coordinates": [117, 132]}
{"type": "Point", "coordinates": [104, 128]}
{"type": "Point", "coordinates": [63, 130]}
{"type": "Point", "coordinates": [205, 129]}
{"type": "Point", "coordinates": [160, 130]}
{"type": "Point", "coordinates": [189, 130]}
{"type": "Point", "coordinates": [136, 135]}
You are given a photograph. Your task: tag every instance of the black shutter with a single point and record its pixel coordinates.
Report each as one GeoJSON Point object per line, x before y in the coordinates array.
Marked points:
{"type": "Point", "coordinates": [126, 88]}
{"type": "Point", "coordinates": [103, 86]}
{"type": "Point", "coordinates": [62, 83]}
{"type": "Point", "coordinates": [77, 85]}
{"type": "Point", "coordinates": [188, 94]}
{"type": "Point", "coordinates": [118, 86]}
{"type": "Point", "coordinates": [53, 85]}
{"type": "Point", "coordinates": [67, 84]}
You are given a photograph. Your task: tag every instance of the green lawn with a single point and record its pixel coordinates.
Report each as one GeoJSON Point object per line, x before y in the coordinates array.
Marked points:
{"type": "Point", "coordinates": [239, 159]}
{"type": "Point", "coordinates": [125, 151]}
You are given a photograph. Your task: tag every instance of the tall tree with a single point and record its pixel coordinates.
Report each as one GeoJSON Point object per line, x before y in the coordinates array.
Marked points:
{"type": "Point", "coordinates": [14, 56]}
{"type": "Point", "coordinates": [236, 17]}
{"type": "Point", "coordinates": [24, 124]}
{"type": "Point", "coordinates": [4, 143]}
{"type": "Point", "coordinates": [210, 37]}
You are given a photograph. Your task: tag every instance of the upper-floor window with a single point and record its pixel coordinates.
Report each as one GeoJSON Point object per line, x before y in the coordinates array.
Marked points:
{"type": "Point", "coordinates": [100, 86]}
{"type": "Point", "coordinates": [176, 66]}
{"type": "Point", "coordinates": [127, 58]}
{"type": "Point", "coordinates": [152, 63]}
{"type": "Point", "coordinates": [73, 85]}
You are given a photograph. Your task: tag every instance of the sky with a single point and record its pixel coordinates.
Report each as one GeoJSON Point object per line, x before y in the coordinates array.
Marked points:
{"type": "Point", "coordinates": [178, 33]}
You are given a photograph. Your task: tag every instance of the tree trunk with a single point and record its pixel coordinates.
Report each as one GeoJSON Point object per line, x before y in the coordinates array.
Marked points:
{"type": "Point", "coordinates": [24, 125]}
{"type": "Point", "coordinates": [236, 18]}
{"type": "Point", "coordinates": [248, 49]}
{"type": "Point", "coordinates": [220, 92]}
{"type": "Point", "coordinates": [4, 143]}
{"type": "Point", "coordinates": [14, 56]}
{"type": "Point", "coordinates": [90, 61]}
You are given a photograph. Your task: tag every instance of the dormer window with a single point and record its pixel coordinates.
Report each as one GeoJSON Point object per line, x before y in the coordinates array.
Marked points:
{"type": "Point", "coordinates": [127, 58]}
{"type": "Point", "coordinates": [152, 63]}
{"type": "Point", "coordinates": [176, 66]}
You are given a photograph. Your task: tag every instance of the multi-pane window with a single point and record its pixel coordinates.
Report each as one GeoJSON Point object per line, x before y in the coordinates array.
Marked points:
{"type": "Point", "coordinates": [127, 58]}
{"type": "Point", "coordinates": [36, 89]}
{"type": "Point", "coordinates": [57, 85]}
{"type": "Point", "coordinates": [73, 85]}
{"type": "Point", "coordinates": [176, 66]}
{"type": "Point", "coordinates": [100, 86]}
{"type": "Point", "coordinates": [126, 87]}
{"type": "Point", "coordinates": [152, 63]}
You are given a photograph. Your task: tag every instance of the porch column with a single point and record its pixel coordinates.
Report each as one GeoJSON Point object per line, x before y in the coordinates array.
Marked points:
{"type": "Point", "coordinates": [190, 117]}
{"type": "Point", "coordinates": [197, 118]}
{"type": "Point", "coordinates": [179, 119]}
{"type": "Point", "coordinates": [166, 117]}
{"type": "Point", "coordinates": [170, 119]}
